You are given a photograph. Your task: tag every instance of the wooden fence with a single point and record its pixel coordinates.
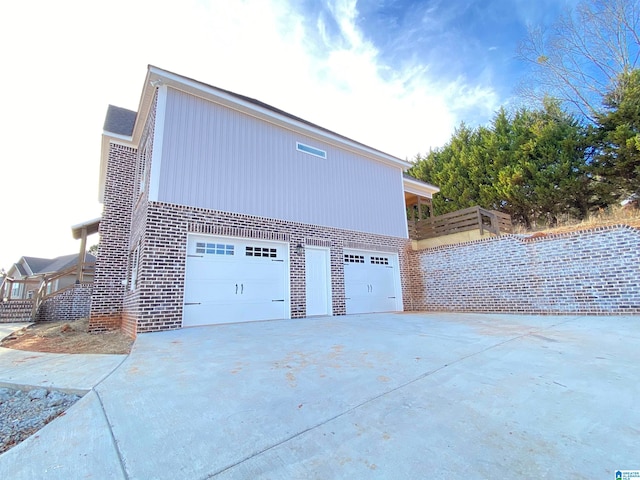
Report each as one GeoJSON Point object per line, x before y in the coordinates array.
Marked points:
{"type": "Point", "coordinates": [472, 218]}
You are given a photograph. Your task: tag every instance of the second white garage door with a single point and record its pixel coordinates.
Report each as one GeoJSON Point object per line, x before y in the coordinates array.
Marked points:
{"type": "Point", "coordinates": [235, 280]}
{"type": "Point", "coordinates": [372, 282]}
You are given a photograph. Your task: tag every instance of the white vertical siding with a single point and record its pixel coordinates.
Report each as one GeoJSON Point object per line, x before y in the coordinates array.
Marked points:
{"type": "Point", "coordinates": [217, 158]}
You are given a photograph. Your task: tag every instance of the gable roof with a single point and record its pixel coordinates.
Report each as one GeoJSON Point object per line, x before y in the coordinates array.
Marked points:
{"type": "Point", "coordinates": [119, 121]}
{"type": "Point", "coordinates": [125, 126]}
{"type": "Point", "coordinates": [35, 264]}
{"type": "Point", "coordinates": [157, 77]}
{"type": "Point", "coordinates": [40, 266]}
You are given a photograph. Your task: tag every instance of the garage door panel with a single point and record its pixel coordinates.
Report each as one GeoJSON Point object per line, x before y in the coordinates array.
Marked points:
{"type": "Point", "coordinates": [371, 281]}
{"type": "Point", "coordinates": [201, 268]}
{"type": "Point", "coordinates": [209, 290]}
{"type": "Point", "coordinates": [234, 280]}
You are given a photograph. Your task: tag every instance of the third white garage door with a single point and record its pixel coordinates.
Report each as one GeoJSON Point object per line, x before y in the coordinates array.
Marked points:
{"type": "Point", "coordinates": [372, 282]}
{"type": "Point", "coordinates": [235, 280]}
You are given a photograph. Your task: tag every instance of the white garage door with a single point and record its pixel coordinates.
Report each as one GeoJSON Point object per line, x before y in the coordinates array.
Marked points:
{"type": "Point", "coordinates": [372, 282]}
{"type": "Point", "coordinates": [235, 280]}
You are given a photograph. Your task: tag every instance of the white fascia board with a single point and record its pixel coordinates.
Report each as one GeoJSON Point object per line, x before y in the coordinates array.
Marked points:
{"type": "Point", "coordinates": [107, 139]}
{"type": "Point", "coordinates": [223, 98]}
{"type": "Point", "coordinates": [419, 188]}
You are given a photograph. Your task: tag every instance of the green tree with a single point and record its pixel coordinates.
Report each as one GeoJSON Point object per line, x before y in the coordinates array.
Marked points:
{"type": "Point", "coordinates": [616, 136]}
{"type": "Point", "coordinates": [530, 165]}
{"type": "Point", "coordinates": [545, 175]}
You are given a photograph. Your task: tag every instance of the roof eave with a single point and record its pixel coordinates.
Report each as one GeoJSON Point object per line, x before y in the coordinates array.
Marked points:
{"type": "Point", "coordinates": [156, 76]}
{"type": "Point", "coordinates": [91, 226]}
{"type": "Point", "coordinates": [417, 187]}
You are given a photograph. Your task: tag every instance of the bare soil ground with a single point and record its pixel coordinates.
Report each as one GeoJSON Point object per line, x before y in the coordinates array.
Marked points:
{"type": "Point", "coordinates": [67, 337]}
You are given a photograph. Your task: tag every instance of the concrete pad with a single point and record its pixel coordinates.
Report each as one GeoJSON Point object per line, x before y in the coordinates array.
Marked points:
{"type": "Point", "coordinates": [371, 396]}
{"type": "Point", "coordinates": [76, 445]}
{"type": "Point", "coordinates": [7, 329]}
{"type": "Point", "coordinates": [459, 395]}
{"type": "Point", "coordinates": [72, 373]}
{"type": "Point", "coordinates": [523, 407]}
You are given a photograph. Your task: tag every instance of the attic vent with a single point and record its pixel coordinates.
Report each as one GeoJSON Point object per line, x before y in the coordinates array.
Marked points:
{"type": "Point", "coordinates": [316, 152]}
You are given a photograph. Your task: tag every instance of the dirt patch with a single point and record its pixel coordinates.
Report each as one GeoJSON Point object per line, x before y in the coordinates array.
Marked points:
{"type": "Point", "coordinates": [67, 337]}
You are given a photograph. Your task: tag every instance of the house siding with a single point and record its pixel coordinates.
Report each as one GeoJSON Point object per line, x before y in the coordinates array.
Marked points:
{"type": "Point", "coordinates": [220, 159]}
{"type": "Point", "coordinates": [161, 287]}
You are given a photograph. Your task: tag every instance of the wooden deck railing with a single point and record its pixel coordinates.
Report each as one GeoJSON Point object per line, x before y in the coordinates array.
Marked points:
{"type": "Point", "coordinates": [41, 288]}
{"type": "Point", "coordinates": [472, 218]}
{"type": "Point", "coordinates": [44, 291]}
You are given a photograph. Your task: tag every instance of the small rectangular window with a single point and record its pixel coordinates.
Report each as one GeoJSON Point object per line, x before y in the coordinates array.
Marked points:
{"type": "Point", "coordinates": [379, 260]}
{"type": "Point", "coordinates": [301, 147]}
{"type": "Point", "coordinates": [353, 258]}
{"type": "Point", "coordinates": [214, 248]}
{"type": "Point", "coordinates": [261, 252]}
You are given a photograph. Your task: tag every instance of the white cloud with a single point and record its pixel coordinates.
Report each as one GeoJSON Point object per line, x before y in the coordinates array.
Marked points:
{"type": "Point", "coordinates": [72, 58]}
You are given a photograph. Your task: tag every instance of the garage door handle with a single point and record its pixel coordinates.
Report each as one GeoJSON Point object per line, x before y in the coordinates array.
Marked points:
{"type": "Point", "coordinates": [192, 303]}
{"type": "Point", "coordinates": [241, 288]}
{"type": "Point", "coordinates": [236, 288]}
{"type": "Point", "coordinates": [278, 300]}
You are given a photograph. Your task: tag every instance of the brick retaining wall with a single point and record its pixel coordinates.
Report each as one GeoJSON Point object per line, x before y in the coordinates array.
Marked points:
{"type": "Point", "coordinates": [71, 304]}
{"type": "Point", "coordinates": [15, 311]}
{"type": "Point", "coordinates": [593, 271]}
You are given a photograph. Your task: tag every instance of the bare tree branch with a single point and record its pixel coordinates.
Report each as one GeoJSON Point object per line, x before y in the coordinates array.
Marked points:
{"type": "Point", "coordinates": [581, 57]}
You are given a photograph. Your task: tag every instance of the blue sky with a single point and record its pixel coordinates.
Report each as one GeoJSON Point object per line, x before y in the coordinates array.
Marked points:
{"type": "Point", "coordinates": [396, 75]}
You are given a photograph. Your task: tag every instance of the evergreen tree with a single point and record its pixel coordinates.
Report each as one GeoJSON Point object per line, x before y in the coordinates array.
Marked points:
{"type": "Point", "coordinates": [616, 163]}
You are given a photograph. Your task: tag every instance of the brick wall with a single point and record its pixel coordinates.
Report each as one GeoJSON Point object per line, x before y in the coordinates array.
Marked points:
{"type": "Point", "coordinates": [137, 239]}
{"type": "Point", "coordinates": [70, 304]}
{"type": "Point", "coordinates": [15, 311]}
{"type": "Point", "coordinates": [157, 304]}
{"type": "Point", "coordinates": [594, 271]}
{"type": "Point", "coordinates": [113, 250]}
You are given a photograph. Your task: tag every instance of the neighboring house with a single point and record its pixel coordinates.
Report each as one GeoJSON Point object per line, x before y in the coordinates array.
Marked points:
{"type": "Point", "coordinates": [219, 208]}
{"type": "Point", "coordinates": [26, 275]}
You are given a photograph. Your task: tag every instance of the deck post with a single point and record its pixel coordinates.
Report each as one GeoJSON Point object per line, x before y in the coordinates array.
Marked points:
{"type": "Point", "coordinates": [82, 258]}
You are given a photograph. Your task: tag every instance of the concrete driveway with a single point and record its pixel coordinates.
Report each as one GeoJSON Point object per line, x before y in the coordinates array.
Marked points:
{"type": "Point", "coordinates": [368, 396]}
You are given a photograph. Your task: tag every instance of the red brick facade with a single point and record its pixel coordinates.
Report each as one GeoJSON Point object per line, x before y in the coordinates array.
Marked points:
{"type": "Point", "coordinates": [588, 272]}
{"type": "Point", "coordinates": [156, 303]}
{"type": "Point", "coordinates": [115, 232]}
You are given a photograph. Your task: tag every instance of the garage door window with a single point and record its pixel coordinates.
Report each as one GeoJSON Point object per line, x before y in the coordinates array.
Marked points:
{"type": "Point", "coordinates": [261, 252]}
{"type": "Point", "coordinates": [214, 248]}
{"type": "Point", "coordinates": [353, 258]}
{"type": "Point", "coordinates": [379, 261]}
